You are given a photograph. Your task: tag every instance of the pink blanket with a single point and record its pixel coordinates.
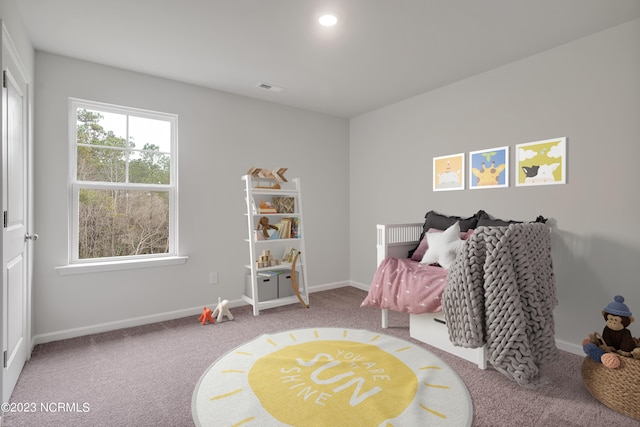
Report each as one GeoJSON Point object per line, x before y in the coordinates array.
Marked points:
{"type": "Point", "coordinates": [401, 284]}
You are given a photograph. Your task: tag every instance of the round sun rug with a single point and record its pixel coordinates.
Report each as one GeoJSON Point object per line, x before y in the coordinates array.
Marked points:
{"type": "Point", "coordinates": [330, 377]}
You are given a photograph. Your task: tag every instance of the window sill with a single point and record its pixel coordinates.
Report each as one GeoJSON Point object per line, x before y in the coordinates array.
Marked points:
{"type": "Point", "coordinates": [96, 267]}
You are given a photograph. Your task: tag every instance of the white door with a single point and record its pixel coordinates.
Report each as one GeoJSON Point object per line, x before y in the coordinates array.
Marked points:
{"type": "Point", "coordinates": [15, 255]}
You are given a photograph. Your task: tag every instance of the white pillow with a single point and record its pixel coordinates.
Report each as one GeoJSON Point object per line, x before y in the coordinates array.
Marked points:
{"type": "Point", "coordinates": [443, 247]}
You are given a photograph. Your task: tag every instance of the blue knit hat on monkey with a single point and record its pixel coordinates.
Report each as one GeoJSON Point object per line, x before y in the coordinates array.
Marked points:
{"type": "Point", "coordinates": [618, 307]}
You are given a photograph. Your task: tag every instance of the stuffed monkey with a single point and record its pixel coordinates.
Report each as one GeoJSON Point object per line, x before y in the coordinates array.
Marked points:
{"type": "Point", "coordinates": [616, 336]}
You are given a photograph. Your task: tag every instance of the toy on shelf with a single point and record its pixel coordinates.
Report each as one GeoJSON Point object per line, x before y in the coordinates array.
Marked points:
{"type": "Point", "coordinates": [267, 260]}
{"type": "Point", "coordinates": [266, 208]}
{"type": "Point", "coordinates": [264, 225]}
{"type": "Point", "coordinates": [206, 316]}
{"type": "Point", "coordinates": [222, 310]}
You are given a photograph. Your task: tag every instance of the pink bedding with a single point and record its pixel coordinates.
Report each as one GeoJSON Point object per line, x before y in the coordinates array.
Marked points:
{"type": "Point", "coordinates": [401, 284]}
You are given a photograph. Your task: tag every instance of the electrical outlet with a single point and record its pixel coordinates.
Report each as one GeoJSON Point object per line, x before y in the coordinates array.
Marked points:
{"type": "Point", "coordinates": [213, 277]}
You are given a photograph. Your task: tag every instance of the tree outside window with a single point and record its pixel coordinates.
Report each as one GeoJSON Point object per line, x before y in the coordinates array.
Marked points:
{"type": "Point", "coordinates": [123, 186]}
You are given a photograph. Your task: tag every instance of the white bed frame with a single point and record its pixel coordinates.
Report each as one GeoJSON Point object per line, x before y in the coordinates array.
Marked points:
{"type": "Point", "coordinates": [397, 240]}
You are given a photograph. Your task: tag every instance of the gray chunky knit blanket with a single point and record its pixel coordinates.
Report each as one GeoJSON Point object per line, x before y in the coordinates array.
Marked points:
{"type": "Point", "coordinates": [501, 292]}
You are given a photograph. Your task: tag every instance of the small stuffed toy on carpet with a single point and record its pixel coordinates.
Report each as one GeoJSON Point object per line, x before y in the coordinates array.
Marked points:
{"type": "Point", "coordinates": [205, 316]}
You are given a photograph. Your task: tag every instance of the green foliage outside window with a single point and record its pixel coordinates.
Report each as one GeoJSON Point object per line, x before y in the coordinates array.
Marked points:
{"type": "Point", "coordinates": [115, 222]}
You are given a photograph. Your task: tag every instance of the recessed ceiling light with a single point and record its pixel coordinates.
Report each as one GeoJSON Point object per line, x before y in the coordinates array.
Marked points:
{"type": "Point", "coordinates": [328, 20]}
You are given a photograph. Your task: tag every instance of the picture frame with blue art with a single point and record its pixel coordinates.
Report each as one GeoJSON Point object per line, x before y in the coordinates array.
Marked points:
{"type": "Point", "coordinates": [489, 168]}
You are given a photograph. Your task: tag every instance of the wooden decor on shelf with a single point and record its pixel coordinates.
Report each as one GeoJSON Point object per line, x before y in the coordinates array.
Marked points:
{"type": "Point", "coordinates": [274, 176]}
{"type": "Point", "coordinates": [267, 260]}
{"type": "Point", "coordinates": [283, 204]}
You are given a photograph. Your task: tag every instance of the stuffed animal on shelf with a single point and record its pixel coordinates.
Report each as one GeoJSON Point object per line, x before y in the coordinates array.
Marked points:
{"type": "Point", "coordinates": [264, 225]}
{"type": "Point", "coordinates": [616, 336]}
{"type": "Point", "coordinates": [205, 316]}
{"type": "Point", "coordinates": [222, 310]}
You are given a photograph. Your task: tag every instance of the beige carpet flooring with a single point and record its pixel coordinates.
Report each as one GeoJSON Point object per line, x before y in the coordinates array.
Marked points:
{"type": "Point", "coordinates": [145, 376]}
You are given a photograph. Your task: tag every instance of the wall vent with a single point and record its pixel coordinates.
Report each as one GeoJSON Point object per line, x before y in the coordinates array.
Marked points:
{"type": "Point", "coordinates": [270, 87]}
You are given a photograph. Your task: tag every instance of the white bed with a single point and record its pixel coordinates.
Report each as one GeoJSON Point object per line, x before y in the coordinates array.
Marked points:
{"type": "Point", "coordinates": [397, 240]}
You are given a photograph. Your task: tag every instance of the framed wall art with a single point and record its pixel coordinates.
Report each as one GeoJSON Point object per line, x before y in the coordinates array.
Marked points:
{"type": "Point", "coordinates": [541, 162]}
{"type": "Point", "coordinates": [448, 172]}
{"type": "Point", "coordinates": [489, 168]}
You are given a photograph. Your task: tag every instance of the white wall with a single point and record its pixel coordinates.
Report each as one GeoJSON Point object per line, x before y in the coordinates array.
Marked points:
{"type": "Point", "coordinates": [220, 137]}
{"type": "Point", "coordinates": [588, 91]}
{"type": "Point", "coordinates": [13, 22]}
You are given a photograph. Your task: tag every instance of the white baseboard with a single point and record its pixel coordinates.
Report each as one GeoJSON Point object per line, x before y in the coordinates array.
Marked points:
{"type": "Point", "coordinates": [153, 318]}
{"type": "Point", "coordinates": [196, 311]}
{"type": "Point", "coordinates": [570, 347]}
{"type": "Point", "coordinates": [329, 286]}
{"type": "Point", "coordinates": [112, 326]}
{"type": "Point", "coordinates": [360, 286]}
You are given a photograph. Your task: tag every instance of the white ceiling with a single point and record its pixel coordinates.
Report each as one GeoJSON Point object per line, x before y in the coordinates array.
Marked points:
{"type": "Point", "coordinates": [381, 51]}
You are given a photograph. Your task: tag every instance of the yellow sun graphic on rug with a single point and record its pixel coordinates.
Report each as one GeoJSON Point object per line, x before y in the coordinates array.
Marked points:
{"type": "Point", "coordinates": [325, 378]}
{"type": "Point", "coordinates": [329, 376]}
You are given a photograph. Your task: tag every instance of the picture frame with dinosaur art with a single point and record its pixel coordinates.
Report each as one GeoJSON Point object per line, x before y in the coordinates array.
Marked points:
{"type": "Point", "coordinates": [541, 162]}
{"type": "Point", "coordinates": [489, 168]}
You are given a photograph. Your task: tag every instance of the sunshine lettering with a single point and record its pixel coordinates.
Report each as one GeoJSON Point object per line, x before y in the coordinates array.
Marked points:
{"type": "Point", "coordinates": [330, 370]}
{"type": "Point", "coordinates": [358, 360]}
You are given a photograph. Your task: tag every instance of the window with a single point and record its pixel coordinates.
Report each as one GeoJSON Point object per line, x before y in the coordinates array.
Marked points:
{"type": "Point", "coordinates": [123, 183]}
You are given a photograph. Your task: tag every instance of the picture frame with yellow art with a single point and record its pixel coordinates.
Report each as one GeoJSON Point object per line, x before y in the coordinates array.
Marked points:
{"type": "Point", "coordinates": [448, 172]}
{"type": "Point", "coordinates": [541, 162]}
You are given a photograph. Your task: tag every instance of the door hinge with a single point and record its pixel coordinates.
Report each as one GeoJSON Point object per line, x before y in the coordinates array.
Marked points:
{"type": "Point", "coordinates": [5, 219]}
{"type": "Point", "coordinates": [4, 78]}
{"type": "Point", "coordinates": [4, 356]}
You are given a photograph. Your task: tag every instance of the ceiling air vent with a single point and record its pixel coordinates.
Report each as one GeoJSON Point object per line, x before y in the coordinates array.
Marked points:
{"type": "Point", "coordinates": [270, 87]}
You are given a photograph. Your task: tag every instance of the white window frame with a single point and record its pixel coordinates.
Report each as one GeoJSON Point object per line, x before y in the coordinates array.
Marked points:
{"type": "Point", "coordinates": [77, 265]}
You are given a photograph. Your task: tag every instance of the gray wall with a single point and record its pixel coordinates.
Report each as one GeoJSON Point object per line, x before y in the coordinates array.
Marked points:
{"type": "Point", "coordinates": [588, 91]}
{"type": "Point", "coordinates": [220, 137]}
